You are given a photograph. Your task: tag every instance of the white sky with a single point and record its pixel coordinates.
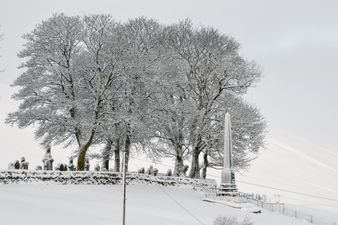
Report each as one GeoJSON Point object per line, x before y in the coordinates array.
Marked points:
{"type": "Point", "coordinates": [295, 42]}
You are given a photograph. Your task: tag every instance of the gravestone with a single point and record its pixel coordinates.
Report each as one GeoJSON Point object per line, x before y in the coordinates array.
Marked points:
{"type": "Point", "coordinates": [155, 172]}
{"type": "Point", "coordinates": [150, 170]}
{"type": "Point", "coordinates": [24, 164]}
{"type": "Point", "coordinates": [71, 166]}
{"type": "Point", "coordinates": [87, 165]}
{"type": "Point", "coordinates": [11, 166]}
{"type": "Point", "coordinates": [48, 160]}
{"type": "Point", "coordinates": [16, 165]}
{"type": "Point", "coordinates": [97, 167]}
{"type": "Point", "coordinates": [169, 173]}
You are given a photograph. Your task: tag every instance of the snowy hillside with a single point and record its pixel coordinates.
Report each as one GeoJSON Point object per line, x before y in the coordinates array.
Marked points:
{"type": "Point", "coordinates": [90, 204]}
{"type": "Point", "coordinates": [297, 166]}
{"type": "Point", "coordinates": [300, 167]}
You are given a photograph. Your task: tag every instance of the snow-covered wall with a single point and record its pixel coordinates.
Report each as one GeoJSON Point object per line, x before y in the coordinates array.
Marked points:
{"type": "Point", "coordinates": [99, 178]}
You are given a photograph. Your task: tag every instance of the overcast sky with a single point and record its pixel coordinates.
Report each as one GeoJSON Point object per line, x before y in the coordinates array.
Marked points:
{"type": "Point", "coordinates": [295, 42]}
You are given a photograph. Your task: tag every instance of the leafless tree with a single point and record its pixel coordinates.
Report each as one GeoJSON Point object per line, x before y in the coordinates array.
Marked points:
{"type": "Point", "coordinates": [66, 87]}
{"type": "Point", "coordinates": [90, 80]}
{"type": "Point", "coordinates": [212, 68]}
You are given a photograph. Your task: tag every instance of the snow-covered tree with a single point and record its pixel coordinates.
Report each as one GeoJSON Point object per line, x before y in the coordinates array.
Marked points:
{"type": "Point", "coordinates": [170, 115]}
{"type": "Point", "coordinates": [89, 80]}
{"type": "Point", "coordinates": [248, 133]}
{"type": "Point", "coordinates": [144, 56]}
{"type": "Point", "coordinates": [212, 67]}
{"type": "Point", "coordinates": [134, 90]}
{"type": "Point", "coordinates": [102, 65]}
{"type": "Point", "coordinates": [49, 94]}
{"type": "Point", "coordinates": [70, 68]}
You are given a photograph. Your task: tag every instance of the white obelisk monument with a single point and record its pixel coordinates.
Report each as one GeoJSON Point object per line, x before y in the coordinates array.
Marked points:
{"type": "Point", "coordinates": [228, 185]}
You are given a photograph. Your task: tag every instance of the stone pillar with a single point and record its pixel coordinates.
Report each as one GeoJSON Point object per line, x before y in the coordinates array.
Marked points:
{"type": "Point", "coordinates": [228, 184]}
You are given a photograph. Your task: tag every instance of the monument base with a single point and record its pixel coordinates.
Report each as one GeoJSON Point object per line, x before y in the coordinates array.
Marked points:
{"type": "Point", "coordinates": [228, 190]}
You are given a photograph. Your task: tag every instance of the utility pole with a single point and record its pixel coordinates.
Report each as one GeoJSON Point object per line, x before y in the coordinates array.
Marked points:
{"type": "Point", "coordinates": [124, 187]}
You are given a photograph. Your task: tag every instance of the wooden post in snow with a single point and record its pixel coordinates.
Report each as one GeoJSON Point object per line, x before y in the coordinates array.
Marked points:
{"type": "Point", "coordinates": [124, 187]}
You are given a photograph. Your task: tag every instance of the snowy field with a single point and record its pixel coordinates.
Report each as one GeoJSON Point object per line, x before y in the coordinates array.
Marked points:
{"type": "Point", "coordinates": [33, 204]}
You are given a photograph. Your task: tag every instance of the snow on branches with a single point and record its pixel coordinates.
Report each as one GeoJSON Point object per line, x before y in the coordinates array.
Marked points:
{"type": "Point", "coordinates": [161, 88]}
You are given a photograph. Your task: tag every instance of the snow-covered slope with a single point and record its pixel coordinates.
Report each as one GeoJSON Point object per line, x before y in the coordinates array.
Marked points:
{"type": "Point", "coordinates": [288, 164]}
{"type": "Point", "coordinates": [300, 167]}
{"type": "Point", "coordinates": [90, 204]}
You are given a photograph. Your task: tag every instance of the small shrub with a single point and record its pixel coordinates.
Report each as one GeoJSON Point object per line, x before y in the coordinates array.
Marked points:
{"type": "Point", "coordinates": [59, 167]}
{"type": "Point", "coordinates": [222, 220]}
{"type": "Point", "coordinates": [38, 168]}
{"type": "Point", "coordinates": [142, 170]}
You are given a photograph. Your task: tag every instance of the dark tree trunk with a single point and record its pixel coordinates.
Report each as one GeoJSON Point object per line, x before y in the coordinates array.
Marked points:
{"type": "Point", "coordinates": [178, 170]}
{"type": "Point", "coordinates": [205, 165]}
{"type": "Point", "coordinates": [81, 161]}
{"type": "Point", "coordinates": [195, 168]}
{"type": "Point", "coordinates": [117, 155]}
{"type": "Point", "coordinates": [106, 154]}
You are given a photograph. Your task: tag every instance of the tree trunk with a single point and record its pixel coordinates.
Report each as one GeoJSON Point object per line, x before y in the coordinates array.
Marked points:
{"type": "Point", "coordinates": [205, 165]}
{"type": "Point", "coordinates": [178, 170]}
{"type": "Point", "coordinates": [117, 155]}
{"type": "Point", "coordinates": [81, 161]}
{"type": "Point", "coordinates": [106, 154]}
{"type": "Point", "coordinates": [195, 168]}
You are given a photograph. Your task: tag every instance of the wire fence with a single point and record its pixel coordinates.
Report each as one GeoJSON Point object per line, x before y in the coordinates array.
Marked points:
{"type": "Point", "coordinates": [283, 209]}
{"type": "Point", "coordinates": [275, 207]}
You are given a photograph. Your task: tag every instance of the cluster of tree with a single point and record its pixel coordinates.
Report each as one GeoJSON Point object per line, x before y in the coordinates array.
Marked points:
{"type": "Point", "coordinates": [163, 89]}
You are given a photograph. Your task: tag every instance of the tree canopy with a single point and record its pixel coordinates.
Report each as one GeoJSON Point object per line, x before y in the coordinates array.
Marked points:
{"type": "Point", "coordinates": [91, 80]}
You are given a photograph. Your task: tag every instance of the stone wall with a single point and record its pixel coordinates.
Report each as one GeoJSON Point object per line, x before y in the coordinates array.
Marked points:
{"type": "Point", "coordinates": [99, 178]}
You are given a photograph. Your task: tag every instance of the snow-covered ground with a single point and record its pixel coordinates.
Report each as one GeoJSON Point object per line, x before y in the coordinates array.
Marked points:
{"type": "Point", "coordinates": [295, 165]}
{"type": "Point", "coordinates": [33, 204]}
{"type": "Point", "coordinates": [299, 167]}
